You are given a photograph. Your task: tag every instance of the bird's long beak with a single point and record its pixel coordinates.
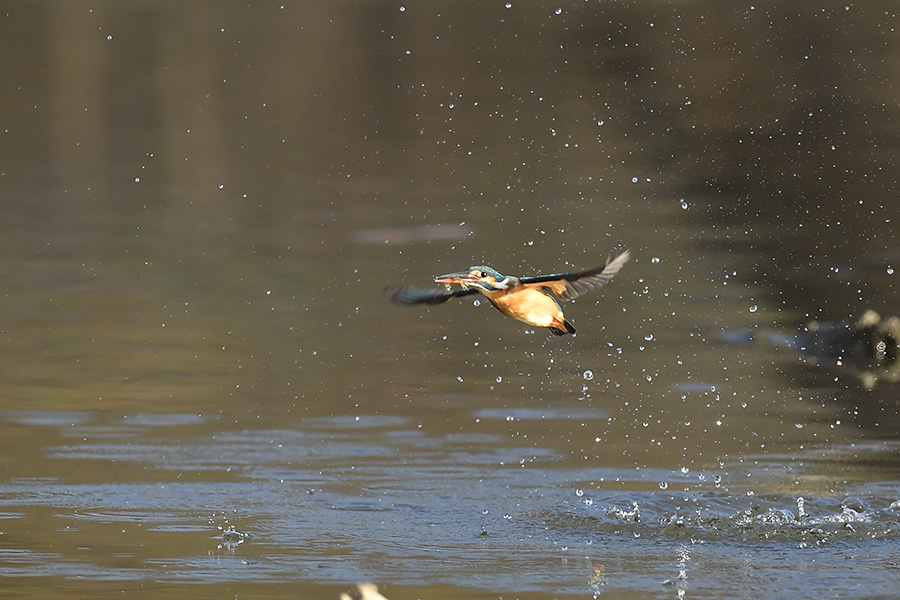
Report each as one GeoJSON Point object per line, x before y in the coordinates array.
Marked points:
{"type": "Point", "coordinates": [460, 277]}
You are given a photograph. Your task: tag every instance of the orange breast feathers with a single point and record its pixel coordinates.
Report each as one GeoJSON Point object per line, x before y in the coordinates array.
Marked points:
{"type": "Point", "coordinates": [529, 306]}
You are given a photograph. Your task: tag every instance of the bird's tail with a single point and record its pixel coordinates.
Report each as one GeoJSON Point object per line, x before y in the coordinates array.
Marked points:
{"type": "Point", "coordinates": [568, 329]}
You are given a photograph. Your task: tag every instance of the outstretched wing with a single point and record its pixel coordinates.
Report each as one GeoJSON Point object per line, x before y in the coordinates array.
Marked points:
{"type": "Point", "coordinates": [568, 286]}
{"type": "Point", "coordinates": [402, 294]}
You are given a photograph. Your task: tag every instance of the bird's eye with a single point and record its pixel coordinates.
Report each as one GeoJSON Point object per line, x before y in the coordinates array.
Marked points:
{"type": "Point", "coordinates": [483, 274]}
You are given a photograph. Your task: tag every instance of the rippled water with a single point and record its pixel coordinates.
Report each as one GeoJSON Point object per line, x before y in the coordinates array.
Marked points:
{"type": "Point", "coordinates": [206, 393]}
{"type": "Point", "coordinates": [375, 497]}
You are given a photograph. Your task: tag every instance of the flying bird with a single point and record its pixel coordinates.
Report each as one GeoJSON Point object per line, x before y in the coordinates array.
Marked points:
{"type": "Point", "coordinates": [532, 300]}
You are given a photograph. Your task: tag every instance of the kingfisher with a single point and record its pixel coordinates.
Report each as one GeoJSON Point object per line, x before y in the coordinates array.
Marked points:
{"type": "Point", "coordinates": [532, 300]}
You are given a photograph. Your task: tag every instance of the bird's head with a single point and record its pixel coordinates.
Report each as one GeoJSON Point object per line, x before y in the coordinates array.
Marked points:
{"type": "Point", "coordinates": [484, 278]}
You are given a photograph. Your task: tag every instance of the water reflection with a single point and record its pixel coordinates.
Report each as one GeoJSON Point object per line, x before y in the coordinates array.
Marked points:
{"type": "Point", "coordinates": [204, 202]}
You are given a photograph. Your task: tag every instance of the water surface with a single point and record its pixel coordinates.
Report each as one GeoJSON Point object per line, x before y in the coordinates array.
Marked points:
{"type": "Point", "coordinates": [205, 391]}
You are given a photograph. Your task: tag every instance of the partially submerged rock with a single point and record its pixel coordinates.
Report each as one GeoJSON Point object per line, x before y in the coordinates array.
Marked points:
{"type": "Point", "coordinates": [868, 346]}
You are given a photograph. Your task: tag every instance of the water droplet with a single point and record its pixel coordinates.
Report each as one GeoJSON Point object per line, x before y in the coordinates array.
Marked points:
{"type": "Point", "coordinates": [655, 260]}
{"type": "Point", "coordinates": [753, 308]}
{"type": "Point", "coordinates": [588, 375]}
{"type": "Point", "coordinates": [634, 180]}
{"type": "Point", "coordinates": [890, 270]}
{"type": "Point", "coordinates": [684, 204]}
{"type": "Point", "coordinates": [649, 337]}
{"type": "Point", "coordinates": [559, 11]}
{"type": "Point", "coordinates": [579, 492]}
{"type": "Point", "coordinates": [663, 485]}
{"type": "Point", "coordinates": [853, 503]}
{"type": "Point", "coordinates": [499, 379]}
